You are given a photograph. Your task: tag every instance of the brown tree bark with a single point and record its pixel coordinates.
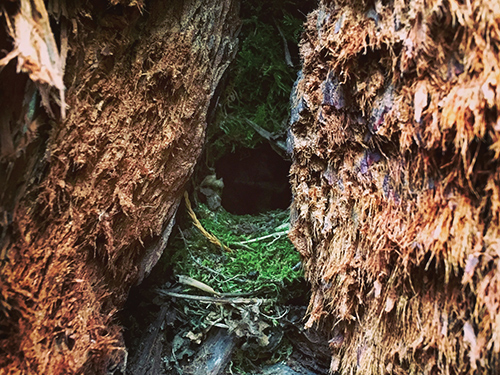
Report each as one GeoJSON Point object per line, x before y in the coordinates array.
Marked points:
{"type": "Point", "coordinates": [88, 202]}
{"type": "Point", "coordinates": [396, 182]}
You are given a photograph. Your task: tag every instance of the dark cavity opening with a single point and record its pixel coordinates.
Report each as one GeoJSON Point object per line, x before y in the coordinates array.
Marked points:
{"type": "Point", "coordinates": [255, 180]}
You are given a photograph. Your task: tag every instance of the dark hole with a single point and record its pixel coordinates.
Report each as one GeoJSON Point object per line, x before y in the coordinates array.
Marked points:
{"type": "Point", "coordinates": [70, 342]}
{"type": "Point", "coordinates": [255, 181]}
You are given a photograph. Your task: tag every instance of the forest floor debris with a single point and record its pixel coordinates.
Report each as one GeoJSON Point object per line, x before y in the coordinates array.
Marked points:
{"type": "Point", "coordinates": [246, 288]}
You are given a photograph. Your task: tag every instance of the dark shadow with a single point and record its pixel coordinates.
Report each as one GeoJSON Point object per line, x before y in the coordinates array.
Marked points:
{"type": "Point", "coordinates": [255, 181]}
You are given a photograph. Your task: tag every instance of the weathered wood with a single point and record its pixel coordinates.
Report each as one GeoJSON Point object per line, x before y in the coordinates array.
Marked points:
{"type": "Point", "coordinates": [147, 359]}
{"type": "Point", "coordinates": [214, 354]}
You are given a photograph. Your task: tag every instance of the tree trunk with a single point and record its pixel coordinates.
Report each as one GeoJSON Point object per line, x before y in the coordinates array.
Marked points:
{"type": "Point", "coordinates": [396, 183]}
{"type": "Point", "coordinates": [88, 202]}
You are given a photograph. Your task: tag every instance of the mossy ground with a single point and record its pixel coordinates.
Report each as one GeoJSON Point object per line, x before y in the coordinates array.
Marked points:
{"type": "Point", "coordinates": [261, 260]}
{"type": "Point", "coordinates": [262, 263]}
{"type": "Point", "coordinates": [261, 266]}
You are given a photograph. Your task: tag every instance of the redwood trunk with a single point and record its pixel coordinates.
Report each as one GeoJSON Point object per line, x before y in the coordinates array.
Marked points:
{"type": "Point", "coordinates": [396, 181]}
{"type": "Point", "coordinates": [89, 202]}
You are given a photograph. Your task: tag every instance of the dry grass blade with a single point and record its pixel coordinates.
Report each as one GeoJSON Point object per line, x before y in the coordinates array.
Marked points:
{"type": "Point", "coordinates": [198, 225]}
{"type": "Point", "coordinates": [186, 280]}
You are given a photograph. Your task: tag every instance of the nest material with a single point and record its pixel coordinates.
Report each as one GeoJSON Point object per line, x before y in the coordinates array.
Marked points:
{"type": "Point", "coordinates": [396, 143]}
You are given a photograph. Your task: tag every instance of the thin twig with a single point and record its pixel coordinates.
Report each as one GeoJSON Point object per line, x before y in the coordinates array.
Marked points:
{"type": "Point", "coordinates": [261, 238]}
{"type": "Point", "coordinates": [242, 245]}
{"type": "Point", "coordinates": [273, 241]}
{"type": "Point", "coordinates": [206, 299]}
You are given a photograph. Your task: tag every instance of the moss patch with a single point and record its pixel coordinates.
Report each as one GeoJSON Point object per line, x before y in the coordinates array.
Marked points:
{"type": "Point", "coordinates": [262, 257]}
{"type": "Point", "coordinates": [261, 78]}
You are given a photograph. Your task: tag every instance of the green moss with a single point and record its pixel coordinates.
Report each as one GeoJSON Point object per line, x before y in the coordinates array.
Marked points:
{"type": "Point", "coordinates": [260, 81]}
{"type": "Point", "coordinates": [263, 259]}
{"type": "Point", "coordinates": [262, 265]}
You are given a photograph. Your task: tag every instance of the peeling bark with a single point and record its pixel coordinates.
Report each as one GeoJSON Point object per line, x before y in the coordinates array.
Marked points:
{"type": "Point", "coordinates": [88, 202]}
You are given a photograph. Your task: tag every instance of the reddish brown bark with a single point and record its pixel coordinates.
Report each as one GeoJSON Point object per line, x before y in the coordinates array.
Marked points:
{"type": "Point", "coordinates": [88, 201]}
{"type": "Point", "coordinates": [396, 182]}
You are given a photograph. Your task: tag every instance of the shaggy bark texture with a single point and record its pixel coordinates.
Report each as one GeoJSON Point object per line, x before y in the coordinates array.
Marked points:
{"type": "Point", "coordinates": [395, 133]}
{"type": "Point", "coordinates": [88, 202]}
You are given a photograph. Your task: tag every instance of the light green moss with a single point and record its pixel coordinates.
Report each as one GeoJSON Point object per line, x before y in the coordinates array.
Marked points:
{"type": "Point", "coordinates": [262, 257]}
